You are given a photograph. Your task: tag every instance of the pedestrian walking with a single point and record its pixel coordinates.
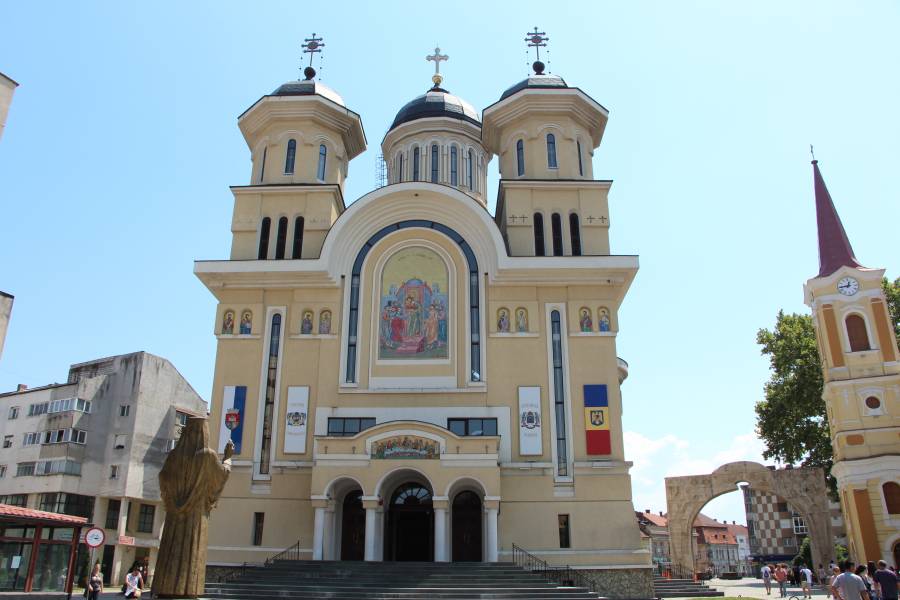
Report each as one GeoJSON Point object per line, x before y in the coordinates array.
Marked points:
{"type": "Point", "coordinates": [767, 579]}
{"type": "Point", "coordinates": [806, 580]}
{"type": "Point", "coordinates": [885, 582]}
{"type": "Point", "coordinates": [848, 585]}
{"type": "Point", "coordinates": [93, 584]}
{"type": "Point", "coordinates": [781, 576]}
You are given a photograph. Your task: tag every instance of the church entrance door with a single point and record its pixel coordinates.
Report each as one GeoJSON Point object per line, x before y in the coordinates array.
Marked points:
{"type": "Point", "coordinates": [466, 537]}
{"type": "Point", "coordinates": [353, 527]}
{"type": "Point", "coordinates": [410, 525]}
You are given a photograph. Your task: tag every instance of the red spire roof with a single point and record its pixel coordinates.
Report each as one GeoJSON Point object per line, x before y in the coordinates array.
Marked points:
{"type": "Point", "coordinates": [834, 247]}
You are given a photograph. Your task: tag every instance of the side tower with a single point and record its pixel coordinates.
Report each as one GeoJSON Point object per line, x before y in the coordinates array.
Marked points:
{"type": "Point", "coordinates": [862, 386]}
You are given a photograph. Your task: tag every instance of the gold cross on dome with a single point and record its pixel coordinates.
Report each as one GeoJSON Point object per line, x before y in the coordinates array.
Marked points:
{"type": "Point", "coordinates": [437, 58]}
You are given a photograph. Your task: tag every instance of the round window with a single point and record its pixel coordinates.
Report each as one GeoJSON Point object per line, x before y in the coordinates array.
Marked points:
{"type": "Point", "coordinates": [872, 402]}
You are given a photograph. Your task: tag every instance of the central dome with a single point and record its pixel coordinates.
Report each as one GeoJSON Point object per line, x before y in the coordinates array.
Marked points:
{"type": "Point", "coordinates": [436, 102]}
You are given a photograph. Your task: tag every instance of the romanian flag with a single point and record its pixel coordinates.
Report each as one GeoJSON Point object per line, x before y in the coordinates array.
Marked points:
{"type": "Point", "coordinates": [596, 420]}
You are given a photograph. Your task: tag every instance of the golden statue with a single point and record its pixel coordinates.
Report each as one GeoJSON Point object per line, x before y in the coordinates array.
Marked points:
{"type": "Point", "coordinates": [190, 483]}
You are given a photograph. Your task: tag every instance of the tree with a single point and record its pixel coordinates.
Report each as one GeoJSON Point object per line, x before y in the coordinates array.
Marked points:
{"type": "Point", "coordinates": [892, 293]}
{"type": "Point", "coordinates": [791, 419]}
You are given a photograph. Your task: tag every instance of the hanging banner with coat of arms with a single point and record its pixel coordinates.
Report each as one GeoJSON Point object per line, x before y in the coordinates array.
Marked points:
{"type": "Point", "coordinates": [530, 443]}
{"type": "Point", "coordinates": [234, 398]}
{"type": "Point", "coordinates": [596, 420]}
{"type": "Point", "coordinates": [296, 417]}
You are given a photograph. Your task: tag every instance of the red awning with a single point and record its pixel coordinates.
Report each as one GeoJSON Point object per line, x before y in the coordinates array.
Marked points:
{"type": "Point", "coordinates": [29, 514]}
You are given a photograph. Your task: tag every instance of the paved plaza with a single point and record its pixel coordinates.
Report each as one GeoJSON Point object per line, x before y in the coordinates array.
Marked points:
{"type": "Point", "coordinates": [749, 587]}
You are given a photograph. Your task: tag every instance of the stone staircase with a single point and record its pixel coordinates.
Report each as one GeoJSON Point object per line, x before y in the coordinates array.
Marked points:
{"type": "Point", "coordinates": [345, 580]}
{"type": "Point", "coordinates": [683, 588]}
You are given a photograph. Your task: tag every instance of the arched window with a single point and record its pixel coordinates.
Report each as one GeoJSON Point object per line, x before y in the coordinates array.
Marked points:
{"type": "Point", "coordinates": [559, 395]}
{"type": "Point", "coordinates": [556, 227]}
{"type": "Point", "coordinates": [415, 164]}
{"type": "Point", "coordinates": [538, 234]}
{"type": "Point", "coordinates": [575, 234]}
{"type": "Point", "coordinates": [470, 167]}
{"type": "Point", "coordinates": [891, 491]}
{"type": "Point", "coordinates": [264, 228]}
{"type": "Point", "coordinates": [271, 392]}
{"type": "Point", "coordinates": [434, 163]}
{"type": "Point", "coordinates": [454, 166]}
{"type": "Point", "coordinates": [551, 151]}
{"type": "Point", "coordinates": [262, 168]}
{"type": "Point", "coordinates": [856, 331]}
{"type": "Point", "coordinates": [281, 238]}
{"type": "Point", "coordinates": [297, 249]}
{"type": "Point", "coordinates": [520, 158]}
{"type": "Point", "coordinates": [323, 155]}
{"type": "Point", "coordinates": [399, 167]}
{"type": "Point", "coordinates": [580, 163]}
{"type": "Point", "coordinates": [289, 157]}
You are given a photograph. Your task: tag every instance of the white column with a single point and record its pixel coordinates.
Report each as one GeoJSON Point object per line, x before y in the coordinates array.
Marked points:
{"type": "Point", "coordinates": [371, 535]}
{"type": "Point", "coordinates": [492, 535]}
{"type": "Point", "coordinates": [440, 535]}
{"type": "Point", "coordinates": [318, 533]}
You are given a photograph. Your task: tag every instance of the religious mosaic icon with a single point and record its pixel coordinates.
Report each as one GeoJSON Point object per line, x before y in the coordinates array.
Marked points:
{"type": "Point", "coordinates": [521, 320]}
{"type": "Point", "coordinates": [503, 320]}
{"type": "Point", "coordinates": [414, 308]}
{"type": "Point", "coordinates": [325, 322]}
{"type": "Point", "coordinates": [246, 323]}
{"type": "Point", "coordinates": [585, 321]}
{"type": "Point", "coordinates": [603, 318]}
{"type": "Point", "coordinates": [405, 447]}
{"type": "Point", "coordinates": [228, 323]}
{"type": "Point", "coordinates": [306, 324]}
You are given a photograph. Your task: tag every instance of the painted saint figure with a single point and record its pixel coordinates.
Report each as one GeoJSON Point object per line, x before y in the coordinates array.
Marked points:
{"type": "Point", "coordinates": [503, 321]}
{"type": "Point", "coordinates": [246, 319]}
{"type": "Point", "coordinates": [306, 323]}
{"type": "Point", "coordinates": [414, 317]}
{"type": "Point", "coordinates": [228, 323]}
{"type": "Point", "coordinates": [603, 318]}
{"type": "Point", "coordinates": [325, 322]}
{"type": "Point", "coordinates": [431, 327]}
{"type": "Point", "coordinates": [521, 320]}
{"type": "Point", "coordinates": [442, 323]}
{"type": "Point", "coordinates": [190, 483]}
{"type": "Point", "coordinates": [587, 324]}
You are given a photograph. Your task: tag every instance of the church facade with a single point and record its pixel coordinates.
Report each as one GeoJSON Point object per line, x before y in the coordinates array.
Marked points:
{"type": "Point", "coordinates": [407, 376]}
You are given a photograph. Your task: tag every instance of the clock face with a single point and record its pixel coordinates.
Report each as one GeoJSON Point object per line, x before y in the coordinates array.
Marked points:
{"type": "Point", "coordinates": [848, 286]}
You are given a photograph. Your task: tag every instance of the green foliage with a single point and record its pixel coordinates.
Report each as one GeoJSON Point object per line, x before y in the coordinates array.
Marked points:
{"type": "Point", "coordinates": [804, 555]}
{"type": "Point", "coordinates": [840, 553]}
{"type": "Point", "coordinates": [791, 419]}
{"type": "Point", "coordinates": [892, 293]}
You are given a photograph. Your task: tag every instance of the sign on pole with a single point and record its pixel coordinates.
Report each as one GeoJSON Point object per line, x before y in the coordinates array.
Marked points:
{"type": "Point", "coordinates": [94, 537]}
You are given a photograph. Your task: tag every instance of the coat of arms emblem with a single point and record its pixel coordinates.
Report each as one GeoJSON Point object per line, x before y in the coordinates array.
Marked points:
{"type": "Point", "coordinates": [232, 419]}
{"type": "Point", "coordinates": [530, 419]}
{"type": "Point", "coordinates": [597, 418]}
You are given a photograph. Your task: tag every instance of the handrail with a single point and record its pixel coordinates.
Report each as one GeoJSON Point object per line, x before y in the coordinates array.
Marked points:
{"type": "Point", "coordinates": [563, 575]}
{"type": "Point", "coordinates": [292, 552]}
{"type": "Point", "coordinates": [675, 571]}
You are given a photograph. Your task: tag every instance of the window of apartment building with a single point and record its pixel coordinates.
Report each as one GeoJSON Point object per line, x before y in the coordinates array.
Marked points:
{"type": "Point", "coordinates": [2, 473]}
{"type": "Point", "coordinates": [181, 418]}
{"type": "Point", "coordinates": [472, 426]}
{"type": "Point", "coordinates": [67, 504]}
{"type": "Point", "coordinates": [119, 441]}
{"type": "Point", "coordinates": [113, 471]}
{"type": "Point", "coordinates": [20, 500]}
{"type": "Point", "coordinates": [24, 469]}
{"type": "Point", "coordinates": [799, 525]}
{"type": "Point", "coordinates": [258, 520]}
{"type": "Point", "coordinates": [124, 410]}
{"type": "Point", "coordinates": [113, 508]}
{"type": "Point", "coordinates": [60, 466]}
{"type": "Point", "coordinates": [788, 542]}
{"type": "Point", "coordinates": [13, 412]}
{"type": "Point", "coordinates": [145, 518]}
{"type": "Point", "coordinates": [31, 439]}
{"type": "Point", "coordinates": [563, 531]}
{"type": "Point", "coordinates": [7, 441]}
{"type": "Point", "coordinates": [342, 427]}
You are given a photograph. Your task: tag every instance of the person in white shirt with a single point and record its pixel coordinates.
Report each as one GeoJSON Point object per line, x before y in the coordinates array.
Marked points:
{"type": "Point", "coordinates": [767, 579]}
{"type": "Point", "coordinates": [806, 580]}
{"type": "Point", "coordinates": [848, 585]}
{"type": "Point", "coordinates": [134, 583]}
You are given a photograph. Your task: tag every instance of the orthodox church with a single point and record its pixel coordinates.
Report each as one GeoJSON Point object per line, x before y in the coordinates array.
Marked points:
{"type": "Point", "coordinates": [406, 376]}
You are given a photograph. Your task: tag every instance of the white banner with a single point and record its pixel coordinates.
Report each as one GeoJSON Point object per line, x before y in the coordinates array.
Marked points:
{"type": "Point", "coordinates": [530, 421]}
{"type": "Point", "coordinates": [296, 416]}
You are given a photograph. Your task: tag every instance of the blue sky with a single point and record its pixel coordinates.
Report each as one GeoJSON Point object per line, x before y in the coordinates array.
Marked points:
{"type": "Point", "coordinates": [122, 141]}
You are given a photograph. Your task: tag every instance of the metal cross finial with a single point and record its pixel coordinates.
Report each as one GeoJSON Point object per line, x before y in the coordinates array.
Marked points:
{"type": "Point", "coordinates": [813, 154]}
{"type": "Point", "coordinates": [312, 45]}
{"type": "Point", "coordinates": [537, 40]}
{"type": "Point", "coordinates": [438, 58]}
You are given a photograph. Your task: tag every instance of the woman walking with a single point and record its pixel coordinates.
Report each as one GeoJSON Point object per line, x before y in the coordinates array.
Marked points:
{"type": "Point", "coordinates": [93, 586]}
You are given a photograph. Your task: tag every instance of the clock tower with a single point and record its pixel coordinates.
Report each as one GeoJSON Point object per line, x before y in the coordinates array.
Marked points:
{"type": "Point", "coordinates": [861, 390]}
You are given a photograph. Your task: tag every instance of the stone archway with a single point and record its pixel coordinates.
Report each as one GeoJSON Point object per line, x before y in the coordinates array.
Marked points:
{"type": "Point", "coordinates": [803, 488]}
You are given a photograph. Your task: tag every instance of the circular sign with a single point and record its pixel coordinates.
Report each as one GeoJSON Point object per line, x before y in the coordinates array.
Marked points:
{"type": "Point", "coordinates": [94, 537]}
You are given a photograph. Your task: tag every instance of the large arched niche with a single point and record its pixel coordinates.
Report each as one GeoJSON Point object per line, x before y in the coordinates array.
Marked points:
{"type": "Point", "coordinates": [804, 489]}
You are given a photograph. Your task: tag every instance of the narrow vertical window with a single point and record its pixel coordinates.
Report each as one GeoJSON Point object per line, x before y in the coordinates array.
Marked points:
{"type": "Point", "coordinates": [289, 157]}
{"type": "Point", "coordinates": [258, 521]}
{"type": "Point", "coordinates": [434, 163]}
{"type": "Point", "coordinates": [564, 531]}
{"type": "Point", "coordinates": [856, 331]}
{"type": "Point", "coordinates": [415, 176]}
{"type": "Point", "coordinates": [575, 234]}
{"type": "Point", "coordinates": [470, 166]}
{"type": "Point", "coordinates": [400, 167]}
{"type": "Point", "coordinates": [265, 458]}
{"type": "Point", "coordinates": [454, 166]}
{"type": "Point", "coordinates": [262, 168]}
{"type": "Point", "coordinates": [323, 155]}
{"type": "Point", "coordinates": [551, 151]}
{"type": "Point", "coordinates": [281, 238]}
{"type": "Point", "coordinates": [559, 396]}
{"type": "Point", "coordinates": [538, 234]}
{"type": "Point", "coordinates": [556, 227]}
{"type": "Point", "coordinates": [580, 163]}
{"type": "Point", "coordinates": [297, 249]}
{"type": "Point", "coordinates": [520, 158]}
{"type": "Point", "coordinates": [264, 238]}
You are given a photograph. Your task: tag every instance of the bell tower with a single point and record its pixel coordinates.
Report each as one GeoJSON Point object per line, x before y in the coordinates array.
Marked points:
{"type": "Point", "coordinates": [861, 374]}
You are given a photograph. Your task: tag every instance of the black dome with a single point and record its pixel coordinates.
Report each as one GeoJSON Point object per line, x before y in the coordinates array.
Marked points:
{"type": "Point", "coordinates": [308, 87]}
{"type": "Point", "coordinates": [436, 102]}
{"type": "Point", "coordinates": [535, 82]}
